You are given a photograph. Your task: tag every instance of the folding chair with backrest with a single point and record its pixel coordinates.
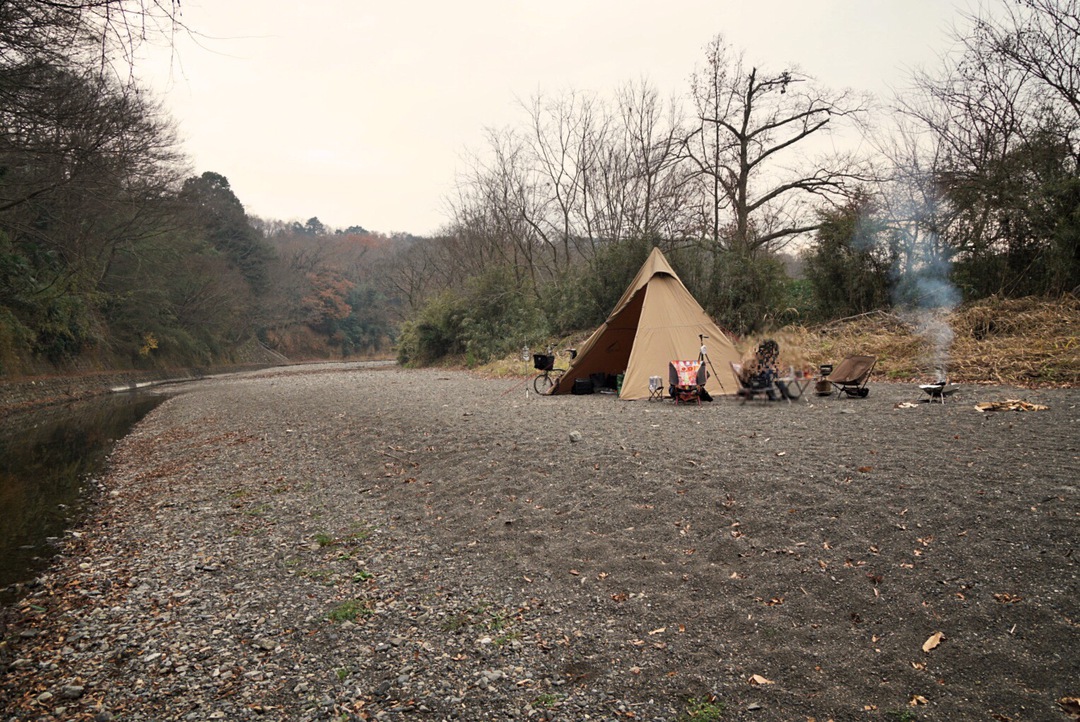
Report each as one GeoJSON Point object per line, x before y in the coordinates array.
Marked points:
{"type": "Point", "coordinates": [686, 379]}
{"type": "Point", "coordinates": [851, 375]}
{"type": "Point", "coordinates": [751, 385]}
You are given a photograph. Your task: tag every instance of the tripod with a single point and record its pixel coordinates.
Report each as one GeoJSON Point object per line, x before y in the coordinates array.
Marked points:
{"type": "Point", "coordinates": [703, 355]}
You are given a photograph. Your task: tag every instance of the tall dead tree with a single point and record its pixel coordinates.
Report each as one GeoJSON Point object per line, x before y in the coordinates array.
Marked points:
{"type": "Point", "coordinates": [753, 148]}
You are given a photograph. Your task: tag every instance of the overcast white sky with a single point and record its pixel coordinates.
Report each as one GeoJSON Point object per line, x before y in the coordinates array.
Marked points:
{"type": "Point", "coordinates": [361, 112]}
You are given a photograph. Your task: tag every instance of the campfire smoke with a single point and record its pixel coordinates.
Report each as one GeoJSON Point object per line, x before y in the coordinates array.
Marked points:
{"type": "Point", "coordinates": [932, 323]}
{"type": "Point", "coordinates": [923, 292]}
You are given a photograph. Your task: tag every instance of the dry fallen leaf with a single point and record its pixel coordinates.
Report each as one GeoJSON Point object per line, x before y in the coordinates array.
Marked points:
{"type": "Point", "coordinates": [1071, 706]}
{"type": "Point", "coordinates": [758, 679]}
{"type": "Point", "coordinates": [658, 630]}
{"type": "Point", "coordinates": [1009, 405]}
{"type": "Point", "coordinates": [865, 469]}
{"type": "Point", "coordinates": [916, 700]}
{"type": "Point", "coordinates": [933, 641]}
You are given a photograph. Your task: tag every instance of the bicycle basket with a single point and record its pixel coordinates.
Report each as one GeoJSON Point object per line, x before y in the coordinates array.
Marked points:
{"type": "Point", "coordinates": [543, 361]}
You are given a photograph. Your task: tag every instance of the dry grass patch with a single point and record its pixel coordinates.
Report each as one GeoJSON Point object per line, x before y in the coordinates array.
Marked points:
{"type": "Point", "coordinates": [1025, 342]}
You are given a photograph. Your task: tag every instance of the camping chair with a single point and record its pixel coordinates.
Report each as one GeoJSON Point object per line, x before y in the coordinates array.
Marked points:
{"type": "Point", "coordinates": [753, 386]}
{"type": "Point", "coordinates": [686, 380]}
{"type": "Point", "coordinates": [851, 375]}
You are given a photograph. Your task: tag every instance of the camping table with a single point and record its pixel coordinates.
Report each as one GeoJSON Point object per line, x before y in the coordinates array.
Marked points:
{"type": "Point", "coordinates": [656, 388]}
{"type": "Point", "coordinates": [801, 383]}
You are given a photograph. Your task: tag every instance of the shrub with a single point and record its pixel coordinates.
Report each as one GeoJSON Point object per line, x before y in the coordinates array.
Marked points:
{"type": "Point", "coordinates": [491, 315]}
{"type": "Point", "coordinates": [745, 291]}
{"type": "Point", "coordinates": [850, 265]}
{"type": "Point", "coordinates": [15, 341]}
{"type": "Point", "coordinates": [434, 333]}
{"type": "Point", "coordinates": [590, 292]}
{"type": "Point", "coordinates": [499, 315]}
{"type": "Point", "coordinates": [64, 329]}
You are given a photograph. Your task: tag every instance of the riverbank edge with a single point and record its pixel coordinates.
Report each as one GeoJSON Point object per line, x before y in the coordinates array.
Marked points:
{"type": "Point", "coordinates": [25, 394]}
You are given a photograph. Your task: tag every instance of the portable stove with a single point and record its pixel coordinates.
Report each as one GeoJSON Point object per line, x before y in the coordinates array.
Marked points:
{"type": "Point", "coordinates": [939, 390]}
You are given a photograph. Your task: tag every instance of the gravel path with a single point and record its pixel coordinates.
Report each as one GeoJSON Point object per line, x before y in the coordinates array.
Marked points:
{"type": "Point", "coordinates": [347, 543]}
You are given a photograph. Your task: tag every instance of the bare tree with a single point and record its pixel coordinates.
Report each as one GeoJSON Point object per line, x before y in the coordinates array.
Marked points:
{"type": "Point", "coordinates": [499, 214]}
{"type": "Point", "coordinates": [652, 185]}
{"type": "Point", "coordinates": [1000, 118]}
{"type": "Point", "coordinates": [751, 125]}
{"type": "Point", "coordinates": [86, 33]}
{"type": "Point", "coordinates": [566, 138]}
{"type": "Point", "coordinates": [1042, 39]}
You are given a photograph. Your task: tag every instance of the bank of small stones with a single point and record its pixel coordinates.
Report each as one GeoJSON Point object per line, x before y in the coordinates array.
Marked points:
{"type": "Point", "coordinates": [387, 545]}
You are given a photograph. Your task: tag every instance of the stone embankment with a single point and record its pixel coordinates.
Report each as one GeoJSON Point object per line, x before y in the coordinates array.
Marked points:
{"type": "Point", "coordinates": [31, 391]}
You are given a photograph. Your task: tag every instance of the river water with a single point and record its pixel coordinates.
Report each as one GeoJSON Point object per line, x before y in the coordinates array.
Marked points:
{"type": "Point", "coordinates": [49, 459]}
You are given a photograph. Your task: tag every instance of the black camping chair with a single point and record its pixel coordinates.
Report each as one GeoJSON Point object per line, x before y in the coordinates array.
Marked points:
{"type": "Point", "coordinates": [751, 385]}
{"type": "Point", "coordinates": [765, 377]}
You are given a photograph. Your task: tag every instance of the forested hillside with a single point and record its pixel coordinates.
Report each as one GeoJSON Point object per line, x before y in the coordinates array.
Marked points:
{"type": "Point", "coordinates": [112, 254]}
{"type": "Point", "coordinates": [115, 253]}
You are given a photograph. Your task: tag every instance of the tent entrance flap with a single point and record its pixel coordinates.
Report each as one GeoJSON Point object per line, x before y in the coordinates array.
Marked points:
{"type": "Point", "coordinates": [608, 350]}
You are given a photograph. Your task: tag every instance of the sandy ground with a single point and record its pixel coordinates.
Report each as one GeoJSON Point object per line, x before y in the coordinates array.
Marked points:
{"type": "Point", "coordinates": [338, 542]}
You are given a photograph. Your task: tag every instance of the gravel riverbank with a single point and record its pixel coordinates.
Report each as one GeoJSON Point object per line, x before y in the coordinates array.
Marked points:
{"type": "Point", "coordinates": [339, 542]}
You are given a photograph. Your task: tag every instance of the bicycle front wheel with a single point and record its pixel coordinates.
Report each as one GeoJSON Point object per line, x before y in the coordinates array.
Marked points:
{"type": "Point", "coordinates": [545, 382]}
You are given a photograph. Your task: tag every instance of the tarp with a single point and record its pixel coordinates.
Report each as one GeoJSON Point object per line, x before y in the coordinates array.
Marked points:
{"type": "Point", "coordinates": [656, 321]}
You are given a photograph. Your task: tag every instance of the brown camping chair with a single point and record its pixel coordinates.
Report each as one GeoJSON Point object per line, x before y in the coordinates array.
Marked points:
{"type": "Point", "coordinates": [851, 375]}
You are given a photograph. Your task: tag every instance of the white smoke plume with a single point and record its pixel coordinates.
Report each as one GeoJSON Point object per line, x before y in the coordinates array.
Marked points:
{"type": "Point", "coordinates": [923, 294]}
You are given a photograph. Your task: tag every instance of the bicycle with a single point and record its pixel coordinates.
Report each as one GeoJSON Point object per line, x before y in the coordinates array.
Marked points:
{"type": "Point", "coordinates": [549, 376]}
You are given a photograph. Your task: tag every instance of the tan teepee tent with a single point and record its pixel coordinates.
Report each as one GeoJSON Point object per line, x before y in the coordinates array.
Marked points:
{"type": "Point", "coordinates": [656, 321]}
